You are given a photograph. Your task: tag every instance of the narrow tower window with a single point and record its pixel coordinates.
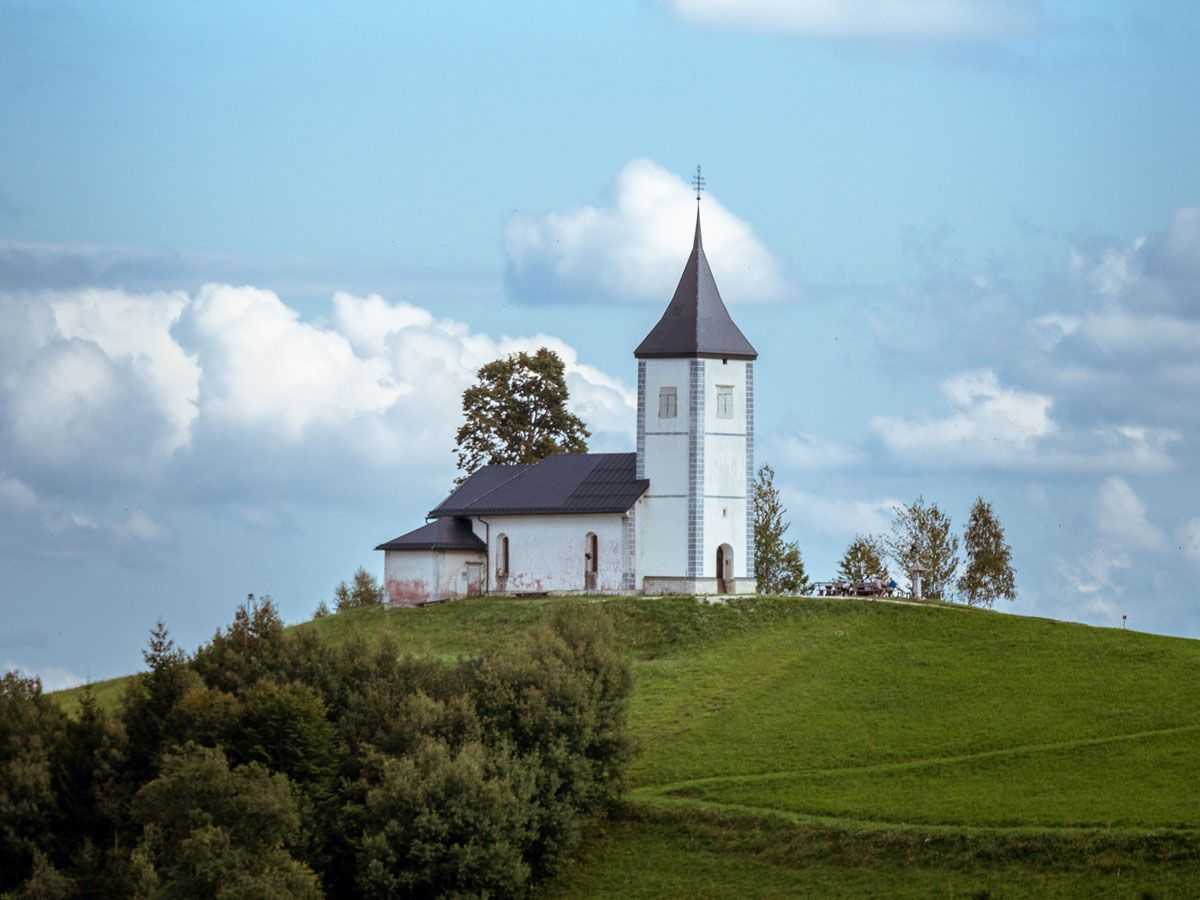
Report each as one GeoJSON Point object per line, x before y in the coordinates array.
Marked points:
{"type": "Point", "coordinates": [724, 401]}
{"type": "Point", "coordinates": [502, 555]}
{"type": "Point", "coordinates": [668, 403]}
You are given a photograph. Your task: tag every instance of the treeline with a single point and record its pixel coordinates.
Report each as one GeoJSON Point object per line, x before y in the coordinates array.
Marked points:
{"type": "Point", "coordinates": [921, 538]}
{"type": "Point", "coordinates": [273, 764]}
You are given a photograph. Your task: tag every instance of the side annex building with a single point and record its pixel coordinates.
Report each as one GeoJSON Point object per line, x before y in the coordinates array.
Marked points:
{"type": "Point", "coordinates": [674, 517]}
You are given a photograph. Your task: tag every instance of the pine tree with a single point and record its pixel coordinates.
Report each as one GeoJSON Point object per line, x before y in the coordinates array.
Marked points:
{"type": "Point", "coordinates": [864, 559]}
{"type": "Point", "coordinates": [989, 573]}
{"type": "Point", "coordinates": [778, 564]}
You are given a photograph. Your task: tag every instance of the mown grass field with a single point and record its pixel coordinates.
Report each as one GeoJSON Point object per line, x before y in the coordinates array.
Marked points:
{"type": "Point", "coordinates": [834, 748]}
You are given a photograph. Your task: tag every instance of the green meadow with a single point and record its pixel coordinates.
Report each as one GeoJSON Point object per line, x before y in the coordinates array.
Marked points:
{"type": "Point", "coordinates": [841, 748]}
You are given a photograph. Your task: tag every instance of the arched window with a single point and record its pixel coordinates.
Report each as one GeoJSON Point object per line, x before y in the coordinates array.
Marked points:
{"type": "Point", "coordinates": [501, 555]}
{"type": "Point", "coordinates": [591, 561]}
{"type": "Point", "coordinates": [591, 553]}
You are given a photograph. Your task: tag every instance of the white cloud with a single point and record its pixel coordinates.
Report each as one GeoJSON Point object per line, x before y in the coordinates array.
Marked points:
{"type": "Point", "coordinates": [264, 367]}
{"type": "Point", "coordinates": [1121, 517]}
{"type": "Point", "coordinates": [637, 248]}
{"type": "Point", "coordinates": [1189, 539]}
{"type": "Point", "coordinates": [1094, 580]}
{"type": "Point", "coordinates": [1116, 332]}
{"type": "Point", "coordinates": [1000, 427]}
{"type": "Point", "coordinates": [837, 517]}
{"type": "Point", "coordinates": [809, 452]}
{"type": "Point", "coordinates": [990, 423]}
{"type": "Point", "coordinates": [100, 397]}
{"type": "Point", "coordinates": [137, 328]}
{"type": "Point", "coordinates": [906, 19]}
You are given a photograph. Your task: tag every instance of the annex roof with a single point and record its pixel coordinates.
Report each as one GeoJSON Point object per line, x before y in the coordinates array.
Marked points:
{"type": "Point", "coordinates": [696, 322]}
{"type": "Point", "coordinates": [566, 483]}
{"type": "Point", "coordinates": [449, 533]}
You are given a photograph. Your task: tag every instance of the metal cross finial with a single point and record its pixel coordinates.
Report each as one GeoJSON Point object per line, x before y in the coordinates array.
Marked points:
{"type": "Point", "coordinates": [698, 183]}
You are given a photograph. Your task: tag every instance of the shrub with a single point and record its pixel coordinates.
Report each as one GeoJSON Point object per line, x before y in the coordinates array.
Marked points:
{"type": "Point", "coordinates": [446, 823]}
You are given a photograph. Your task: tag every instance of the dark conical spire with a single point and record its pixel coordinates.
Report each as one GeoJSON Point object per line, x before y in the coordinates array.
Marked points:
{"type": "Point", "coordinates": [696, 323]}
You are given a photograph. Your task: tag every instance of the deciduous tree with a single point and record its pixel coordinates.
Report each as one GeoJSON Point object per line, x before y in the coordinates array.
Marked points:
{"type": "Point", "coordinates": [989, 573]}
{"type": "Point", "coordinates": [864, 559]}
{"type": "Point", "coordinates": [517, 413]}
{"type": "Point", "coordinates": [778, 565]}
{"type": "Point", "coordinates": [921, 536]}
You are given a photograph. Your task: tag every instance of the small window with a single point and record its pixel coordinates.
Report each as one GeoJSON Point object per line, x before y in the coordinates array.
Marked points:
{"type": "Point", "coordinates": [502, 555]}
{"type": "Point", "coordinates": [724, 401]}
{"type": "Point", "coordinates": [668, 403]}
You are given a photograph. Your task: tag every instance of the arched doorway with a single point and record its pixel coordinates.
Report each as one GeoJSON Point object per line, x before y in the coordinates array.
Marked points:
{"type": "Point", "coordinates": [591, 562]}
{"type": "Point", "coordinates": [724, 569]}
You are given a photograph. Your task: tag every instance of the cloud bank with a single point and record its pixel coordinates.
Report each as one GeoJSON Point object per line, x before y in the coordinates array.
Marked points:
{"type": "Point", "coordinates": [635, 249]}
{"type": "Point", "coordinates": [119, 409]}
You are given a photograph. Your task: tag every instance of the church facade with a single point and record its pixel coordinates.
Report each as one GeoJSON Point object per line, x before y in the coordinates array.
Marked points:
{"type": "Point", "coordinates": [674, 517]}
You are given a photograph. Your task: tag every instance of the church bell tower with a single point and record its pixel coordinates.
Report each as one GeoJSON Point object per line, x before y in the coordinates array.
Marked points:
{"type": "Point", "coordinates": [695, 442]}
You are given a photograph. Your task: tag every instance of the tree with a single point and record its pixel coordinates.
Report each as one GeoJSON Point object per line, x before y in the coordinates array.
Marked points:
{"type": "Point", "coordinates": [921, 536]}
{"type": "Point", "coordinates": [364, 591]}
{"type": "Point", "coordinates": [213, 831]}
{"type": "Point", "coordinates": [32, 729]}
{"type": "Point", "coordinates": [778, 565]}
{"type": "Point", "coordinates": [989, 559]}
{"type": "Point", "coordinates": [517, 413]}
{"type": "Point", "coordinates": [864, 559]}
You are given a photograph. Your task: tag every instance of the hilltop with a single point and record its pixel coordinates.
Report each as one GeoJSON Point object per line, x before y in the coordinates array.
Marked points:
{"type": "Point", "coordinates": [842, 748]}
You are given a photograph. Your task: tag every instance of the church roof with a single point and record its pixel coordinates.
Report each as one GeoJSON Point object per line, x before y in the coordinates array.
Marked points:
{"type": "Point", "coordinates": [696, 323]}
{"type": "Point", "coordinates": [566, 483]}
{"type": "Point", "coordinates": [441, 534]}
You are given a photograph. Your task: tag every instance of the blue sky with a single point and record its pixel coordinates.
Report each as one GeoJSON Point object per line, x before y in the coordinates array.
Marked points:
{"type": "Point", "coordinates": [250, 255]}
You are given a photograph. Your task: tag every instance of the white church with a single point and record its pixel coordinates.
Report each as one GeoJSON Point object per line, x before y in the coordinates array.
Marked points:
{"type": "Point", "coordinates": [672, 518]}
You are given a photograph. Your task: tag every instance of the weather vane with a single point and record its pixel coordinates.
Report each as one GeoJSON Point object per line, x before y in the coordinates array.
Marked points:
{"type": "Point", "coordinates": [698, 183]}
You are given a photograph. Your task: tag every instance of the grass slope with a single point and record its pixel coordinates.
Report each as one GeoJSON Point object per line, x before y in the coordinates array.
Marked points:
{"type": "Point", "coordinates": [840, 748]}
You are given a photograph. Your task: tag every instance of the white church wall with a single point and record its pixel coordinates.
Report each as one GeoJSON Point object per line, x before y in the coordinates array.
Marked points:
{"type": "Point", "coordinates": [725, 523]}
{"type": "Point", "coordinates": [666, 439]}
{"type": "Point", "coordinates": [662, 536]}
{"type": "Point", "coordinates": [414, 577]}
{"type": "Point", "coordinates": [408, 577]}
{"type": "Point", "coordinates": [546, 553]}
{"type": "Point", "coordinates": [725, 473]}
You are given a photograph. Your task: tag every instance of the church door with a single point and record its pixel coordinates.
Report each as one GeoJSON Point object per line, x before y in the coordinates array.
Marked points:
{"type": "Point", "coordinates": [724, 569]}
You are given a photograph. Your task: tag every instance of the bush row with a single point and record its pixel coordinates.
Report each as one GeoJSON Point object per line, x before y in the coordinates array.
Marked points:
{"type": "Point", "coordinates": [272, 764]}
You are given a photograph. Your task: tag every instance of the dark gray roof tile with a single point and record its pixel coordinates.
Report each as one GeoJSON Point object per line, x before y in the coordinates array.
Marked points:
{"type": "Point", "coordinates": [566, 483]}
{"type": "Point", "coordinates": [442, 534]}
{"type": "Point", "coordinates": [696, 323]}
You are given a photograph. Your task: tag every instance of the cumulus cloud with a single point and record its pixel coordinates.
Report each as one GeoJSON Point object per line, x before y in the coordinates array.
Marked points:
{"type": "Point", "coordinates": [904, 19]}
{"type": "Point", "coordinates": [137, 328]}
{"type": "Point", "coordinates": [1121, 536]}
{"type": "Point", "coordinates": [1095, 581]}
{"type": "Point", "coordinates": [994, 426]}
{"type": "Point", "coordinates": [635, 249]}
{"type": "Point", "coordinates": [116, 405]}
{"type": "Point", "coordinates": [264, 367]}
{"type": "Point", "coordinates": [989, 424]}
{"type": "Point", "coordinates": [1121, 517]}
{"type": "Point", "coordinates": [839, 517]}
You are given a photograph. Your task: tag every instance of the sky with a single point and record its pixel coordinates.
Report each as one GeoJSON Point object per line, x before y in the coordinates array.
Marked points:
{"type": "Point", "coordinates": [251, 255]}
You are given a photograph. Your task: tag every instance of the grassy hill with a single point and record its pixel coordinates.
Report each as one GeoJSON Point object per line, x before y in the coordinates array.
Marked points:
{"type": "Point", "coordinates": [834, 748]}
